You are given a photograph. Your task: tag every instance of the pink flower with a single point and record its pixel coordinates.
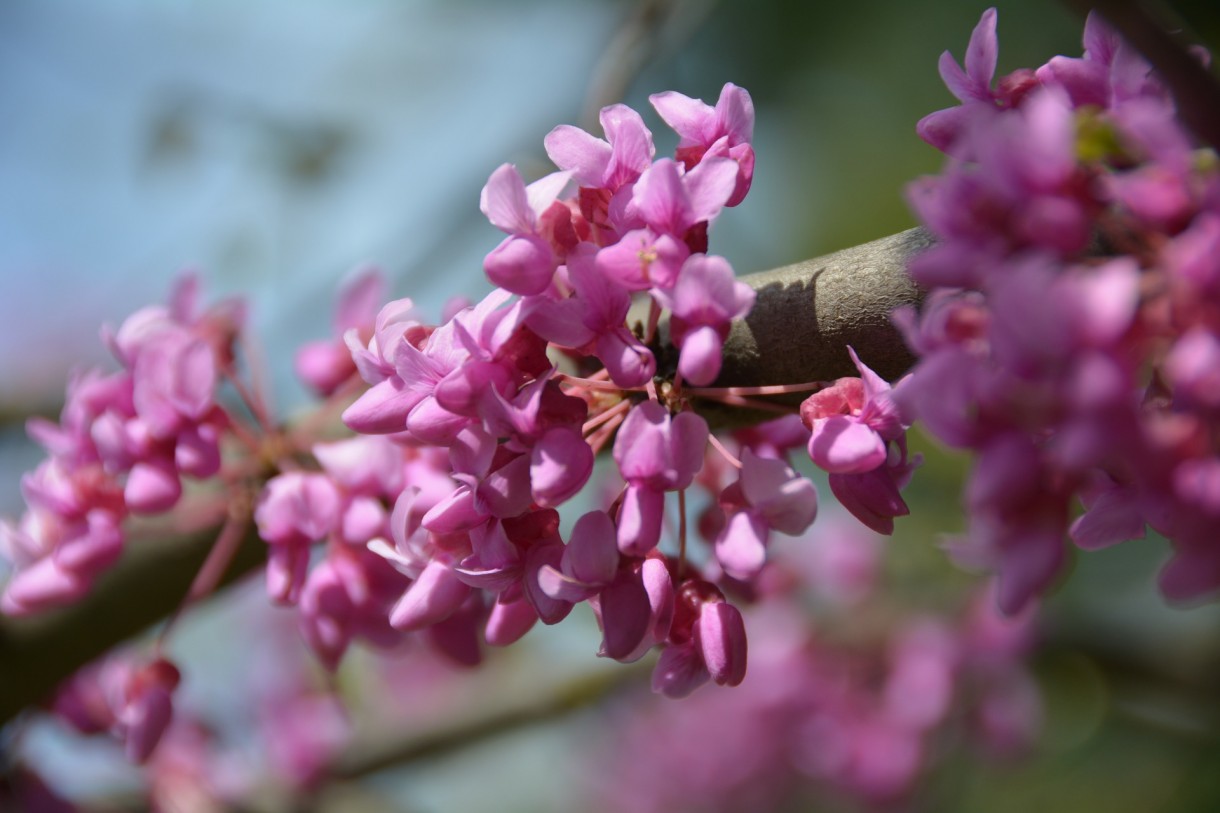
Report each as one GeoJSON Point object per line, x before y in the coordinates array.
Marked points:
{"type": "Point", "coordinates": [598, 163]}
{"type": "Point", "coordinates": [724, 131]}
{"type": "Point", "coordinates": [768, 496]}
{"type": "Point", "coordinates": [524, 262]}
{"type": "Point", "coordinates": [593, 321]}
{"type": "Point", "coordinates": [707, 641]}
{"type": "Point", "coordinates": [972, 86]}
{"type": "Point", "coordinates": [146, 708]}
{"type": "Point", "coordinates": [670, 201]}
{"type": "Point", "coordinates": [704, 301]}
{"type": "Point", "coordinates": [655, 452]}
{"type": "Point", "coordinates": [852, 422]}
{"type": "Point", "coordinates": [874, 497]}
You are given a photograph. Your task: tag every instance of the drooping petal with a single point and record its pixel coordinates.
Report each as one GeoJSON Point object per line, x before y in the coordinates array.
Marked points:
{"type": "Point", "coordinates": [700, 357]}
{"type": "Point", "coordinates": [560, 464]}
{"type": "Point", "coordinates": [785, 500]}
{"type": "Point", "coordinates": [592, 554]}
{"type": "Point", "coordinates": [509, 622]}
{"type": "Point", "coordinates": [152, 487]}
{"type": "Point", "coordinates": [741, 546]}
{"type": "Point", "coordinates": [287, 569]}
{"type": "Point", "coordinates": [843, 445]}
{"type": "Point", "coordinates": [679, 670]}
{"type": "Point", "coordinates": [625, 615]}
{"type": "Point", "coordinates": [41, 586]}
{"type": "Point", "coordinates": [639, 520]}
{"type": "Point", "coordinates": [721, 637]}
{"type": "Point", "coordinates": [383, 408]}
{"type": "Point", "coordinates": [872, 497]}
{"type": "Point", "coordinates": [522, 264]}
{"type": "Point", "coordinates": [433, 597]}
{"type": "Point", "coordinates": [550, 610]}
{"type": "Point", "coordinates": [625, 357]}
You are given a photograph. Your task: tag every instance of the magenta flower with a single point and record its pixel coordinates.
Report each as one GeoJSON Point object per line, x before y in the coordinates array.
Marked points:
{"type": "Point", "coordinates": [524, 262]}
{"type": "Point", "coordinates": [655, 452]}
{"type": "Point", "coordinates": [704, 301]}
{"type": "Point", "coordinates": [768, 496]}
{"type": "Point", "coordinates": [852, 422]}
{"type": "Point", "coordinates": [722, 131]}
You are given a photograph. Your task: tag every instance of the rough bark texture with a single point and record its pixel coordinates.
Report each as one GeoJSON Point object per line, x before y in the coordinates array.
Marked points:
{"type": "Point", "coordinates": [805, 317]}
{"type": "Point", "coordinates": [808, 313]}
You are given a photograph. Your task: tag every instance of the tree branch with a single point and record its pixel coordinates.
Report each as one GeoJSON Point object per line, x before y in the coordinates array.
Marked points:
{"type": "Point", "coordinates": [552, 701]}
{"type": "Point", "coordinates": [805, 316]}
{"type": "Point", "coordinates": [148, 584]}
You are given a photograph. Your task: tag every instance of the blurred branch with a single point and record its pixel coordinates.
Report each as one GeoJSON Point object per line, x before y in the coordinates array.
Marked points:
{"type": "Point", "coordinates": [550, 702]}
{"type": "Point", "coordinates": [1194, 88]}
{"type": "Point", "coordinates": [148, 584]}
{"type": "Point", "coordinates": [651, 25]}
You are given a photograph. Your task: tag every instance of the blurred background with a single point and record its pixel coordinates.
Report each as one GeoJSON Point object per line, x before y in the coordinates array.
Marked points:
{"type": "Point", "coordinates": [277, 146]}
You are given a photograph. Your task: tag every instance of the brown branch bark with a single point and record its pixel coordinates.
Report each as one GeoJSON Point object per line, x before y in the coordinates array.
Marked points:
{"type": "Point", "coordinates": [805, 316]}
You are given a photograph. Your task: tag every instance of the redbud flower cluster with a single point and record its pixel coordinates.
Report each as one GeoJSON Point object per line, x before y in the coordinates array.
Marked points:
{"type": "Point", "coordinates": [441, 516]}
{"type": "Point", "coordinates": [122, 446]}
{"type": "Point", "coordinates": [476, 431]}
{"type": "Point", "coordinates": [1070, 338]}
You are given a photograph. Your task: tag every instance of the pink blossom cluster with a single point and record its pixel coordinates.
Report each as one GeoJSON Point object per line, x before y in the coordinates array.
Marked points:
{"type": "Point", "coordinates": [123, 445]}
{"type": "Point", "coordinates": [476, 431]}
{"type": "Point", "coordinates": [832, 708]}
{"type": "Point", "coordinates": [441, 518]}
{"type": "Point", "coordinates": [348, 590]}
{"type": "Point", "coordinates": [1070, 338]}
